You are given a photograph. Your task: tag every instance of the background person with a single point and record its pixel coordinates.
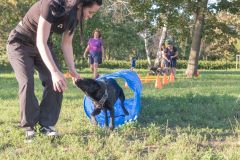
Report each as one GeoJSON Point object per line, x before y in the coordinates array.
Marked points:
{"type": "Point", "coordinates": [133, 59]}
{"type": "Point", "coordinates": [96, 51]}
{"type": "Point", "coordinates": [133, 62]}
{"type": "Point", "coordinates": [170, 57]}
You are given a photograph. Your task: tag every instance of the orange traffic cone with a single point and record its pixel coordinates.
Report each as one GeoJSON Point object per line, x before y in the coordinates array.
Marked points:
{"type": "Point", "coordinates": [158, 83]}
{"type": "Point", "coordinates": [172, 78]}
{"type": "Point", "coordinates": [165, 80]}
{"type": "Point", "coordinates": [126, 85]}
{"type": "Point", "coordinates": [143, 79]}
{"type": "Point", "coordinates": [147, 79]}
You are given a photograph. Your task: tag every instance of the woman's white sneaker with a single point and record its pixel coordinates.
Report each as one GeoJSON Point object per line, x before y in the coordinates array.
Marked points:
{"type": "Point", "coordinates": [49, 131]}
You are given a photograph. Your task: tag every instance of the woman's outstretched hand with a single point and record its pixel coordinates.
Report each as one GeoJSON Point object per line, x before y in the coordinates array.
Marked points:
{"type": "Point", "coordinates": [59, 81]}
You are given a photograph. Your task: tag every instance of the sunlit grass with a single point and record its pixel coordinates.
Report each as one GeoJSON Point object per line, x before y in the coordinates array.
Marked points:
{"type": "Point", "coordinates": [190, 119]}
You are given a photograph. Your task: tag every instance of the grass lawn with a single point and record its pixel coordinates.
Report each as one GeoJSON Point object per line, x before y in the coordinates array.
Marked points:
{"type": "Point", "coordinates": [191, 119]}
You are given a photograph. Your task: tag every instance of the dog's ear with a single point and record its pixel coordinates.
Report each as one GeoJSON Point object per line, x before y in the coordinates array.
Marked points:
{"type": "Point", "coordinates": [94, 85]}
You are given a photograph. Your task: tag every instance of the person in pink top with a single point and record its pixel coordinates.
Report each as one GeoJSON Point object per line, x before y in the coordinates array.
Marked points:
{"type": "Point", "coordinates": [96, 51]}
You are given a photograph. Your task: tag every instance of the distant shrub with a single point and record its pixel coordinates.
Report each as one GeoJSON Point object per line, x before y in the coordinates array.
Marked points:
{"type": "Point", "coordinates": [181, 64]}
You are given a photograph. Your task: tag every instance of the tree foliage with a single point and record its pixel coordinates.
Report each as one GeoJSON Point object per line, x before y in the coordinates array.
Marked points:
{"type": "Point", "coordinates": [179, 16]}
{"type": "Point", "coordinates": [117, 27]}
{"type": "Point", "coordinates": [123, 21]}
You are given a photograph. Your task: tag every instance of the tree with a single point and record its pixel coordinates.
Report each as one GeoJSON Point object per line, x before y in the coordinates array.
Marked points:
{"type": "Point", "coordinates": [220, 44]}
{"type": "Point", "coordinates": [160, 14]}
{"type": "Point", "coordinates": [196, 42]}
{"type": "Point", "coordinates": [221, 32]}
{"type": "Point", "coordinates": [161, 41]}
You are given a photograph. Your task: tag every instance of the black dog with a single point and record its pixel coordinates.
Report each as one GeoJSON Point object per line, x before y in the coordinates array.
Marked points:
{"type": "Point", "coordinates": [155, 70]}
{"type": "Point", "coordinates": [104, 95]}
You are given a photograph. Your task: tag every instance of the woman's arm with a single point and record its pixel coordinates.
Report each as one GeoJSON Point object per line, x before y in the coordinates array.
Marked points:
{"type": "Point", "coordinates": [43, 32]}
{"type": "Point", "coordinates": [165, 57]}
{"type": "Point", "coordinates": [176, 54]}
{"type": "Point", "coordinates": [68, 53]}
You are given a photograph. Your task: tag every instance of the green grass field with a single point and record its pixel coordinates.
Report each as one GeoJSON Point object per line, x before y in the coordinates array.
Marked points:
{"type": "Point", "coordinates": [191, 119]}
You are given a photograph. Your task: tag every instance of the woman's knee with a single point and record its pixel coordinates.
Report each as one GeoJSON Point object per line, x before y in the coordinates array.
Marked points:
{"type": "Point", "coordinates": [91, 66]}
{"type": "Point", "coordinates": [47, 82]}
{"type": "Point", "coordinates": [95, 65]}
{"type": "Point", "coordinates": [26, 85]}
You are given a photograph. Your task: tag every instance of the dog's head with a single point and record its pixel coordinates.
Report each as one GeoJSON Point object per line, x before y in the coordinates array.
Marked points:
{"type": "Point", "coordinates": [89, 86]}
{"type": "Point", "coordinates": [152, 70]}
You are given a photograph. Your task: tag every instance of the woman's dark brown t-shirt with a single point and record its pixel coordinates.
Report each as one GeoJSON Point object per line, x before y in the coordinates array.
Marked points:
{"type": "Point", "coordinates": [28, 25]}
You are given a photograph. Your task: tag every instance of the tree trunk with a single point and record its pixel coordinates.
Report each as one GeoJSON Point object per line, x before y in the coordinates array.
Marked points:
{"type": "Point", "coordinates": [107, 53]}
{"type": "Point", "coordinates": [161, 40]}
{"type": "Point", "coordinates": [187, 47]}
{"type": "Point", "coordinates": [145, 36]}
{"type": "Point", "coordinates": [196, 40]}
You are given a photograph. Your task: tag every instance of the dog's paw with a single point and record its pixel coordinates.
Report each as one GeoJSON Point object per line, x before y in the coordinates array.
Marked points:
{"type": "Point", "coordinates": [106, 125]}
{"type": "Point", "coordinates": [94, 121]}
{"type": "Point", "coordinates": [111, 128]}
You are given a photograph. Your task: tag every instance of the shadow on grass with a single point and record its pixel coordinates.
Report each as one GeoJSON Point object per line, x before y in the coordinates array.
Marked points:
{"type": "Point", "coordinates": [5, 146]}
{"type": "Point", "coordinates": [1, 123]}
{"type": "Point", "coordinates": [221, 72]}
{"type": "Point", "coordinates": [198, 111]}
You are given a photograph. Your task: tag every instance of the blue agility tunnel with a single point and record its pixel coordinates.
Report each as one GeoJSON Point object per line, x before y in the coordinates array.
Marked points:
{"type": "Point", "coordinates": [132, 105]}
